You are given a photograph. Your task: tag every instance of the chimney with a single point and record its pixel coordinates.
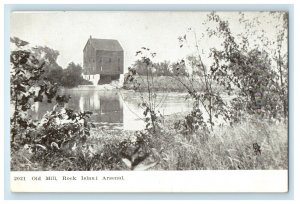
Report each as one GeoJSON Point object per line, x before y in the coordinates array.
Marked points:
{"type": "Point", "coordinates": [90, 37]}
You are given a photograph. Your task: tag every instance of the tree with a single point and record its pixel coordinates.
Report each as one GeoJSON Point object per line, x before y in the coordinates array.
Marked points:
{"type": "Point", "coordinates": [26, 87]}
{"type": "Point", "coordinates": [281, 58]}
{"type": "Point", "coordinates": [163, 68]}
{"type": "Point", "coordinates": [248, 69]}
{"type": "Point", "coordinates": [208, 100]}
{"type": "Point", "coordinates": [179, 69]}
{"type": "Point", "coordinates": [159, 68]}
{"type": "Point", "coordinates": [72, 76]}
{"type": "Point", "coordinates": [59, 129]}
{"type": "Point", "coordinates": [54, 73]}
{"type": "Point", "coordinates": [52, 70]}
{"type": "Point", "coordinates": [140, 67]}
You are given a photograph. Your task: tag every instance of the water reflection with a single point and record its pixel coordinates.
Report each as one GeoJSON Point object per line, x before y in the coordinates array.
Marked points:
{"type": "Point", "coordinates": [112, 109]}
{"type": "Point", "coordinates": [107, 107]}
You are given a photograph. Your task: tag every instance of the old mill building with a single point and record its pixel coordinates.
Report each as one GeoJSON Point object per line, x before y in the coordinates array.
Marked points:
{"type": "Point", "coordinates": [103, 60]}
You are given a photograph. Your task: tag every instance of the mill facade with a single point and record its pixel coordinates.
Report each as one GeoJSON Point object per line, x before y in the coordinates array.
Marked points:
{"type": "Point", "coordinates": [103, 60]}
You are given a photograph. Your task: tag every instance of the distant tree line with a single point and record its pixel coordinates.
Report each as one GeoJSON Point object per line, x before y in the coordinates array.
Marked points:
{"type": "Point", "coordinates": [165, 68]}
{"type": "Point", "coordinates": [71, 76]}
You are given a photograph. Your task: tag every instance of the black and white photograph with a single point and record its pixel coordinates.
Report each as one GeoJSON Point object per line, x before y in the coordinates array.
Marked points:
{"type": "Point", "coordinates": [148, 90]}
{"type": "Point", "coordinates": [94, 91]}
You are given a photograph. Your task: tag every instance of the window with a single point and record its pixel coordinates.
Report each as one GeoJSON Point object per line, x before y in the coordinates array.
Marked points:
{"type": "Point", "coordinates": [109, 60]}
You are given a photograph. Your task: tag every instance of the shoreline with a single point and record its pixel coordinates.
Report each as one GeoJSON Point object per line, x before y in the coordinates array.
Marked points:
{"type": "Point", "coordinates": [160, 84]}
{"type": "Point", "coordinates": [107, 88]}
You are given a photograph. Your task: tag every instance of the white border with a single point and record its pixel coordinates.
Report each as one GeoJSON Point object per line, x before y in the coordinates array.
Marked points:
{"type": "Point", "coordinates": [151, 181]}
{"type": "Point", "coordinates": [296, 71]}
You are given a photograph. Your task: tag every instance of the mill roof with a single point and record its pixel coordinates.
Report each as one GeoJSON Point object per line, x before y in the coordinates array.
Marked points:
{"type": "Point", "coordinates": [105, 44]}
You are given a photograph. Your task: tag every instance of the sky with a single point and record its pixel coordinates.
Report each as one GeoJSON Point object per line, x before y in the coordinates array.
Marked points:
{"type": "Point", "coordinates": [69, 31]}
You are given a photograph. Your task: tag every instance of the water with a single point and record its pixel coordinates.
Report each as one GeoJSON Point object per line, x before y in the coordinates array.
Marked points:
{"type": "Point", "coordinates": [115, 109]}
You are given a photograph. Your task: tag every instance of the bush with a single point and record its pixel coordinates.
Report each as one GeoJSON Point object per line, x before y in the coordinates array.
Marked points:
{"type": "Point", "coordinates": [61, 131]}
{"type": "Point", "coordinates": [72, 76]}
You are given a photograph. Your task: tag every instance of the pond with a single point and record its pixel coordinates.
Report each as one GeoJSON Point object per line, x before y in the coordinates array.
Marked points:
{"type": "Point", "coordinates": [116, 109]}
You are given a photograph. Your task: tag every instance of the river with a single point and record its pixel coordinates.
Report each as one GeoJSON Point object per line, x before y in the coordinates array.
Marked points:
{"type": "Point", "coordinates": [115, 109]}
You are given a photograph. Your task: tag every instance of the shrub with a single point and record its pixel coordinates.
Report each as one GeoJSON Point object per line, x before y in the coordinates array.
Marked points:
{"type": "Point", "coordinates": [61, 131]}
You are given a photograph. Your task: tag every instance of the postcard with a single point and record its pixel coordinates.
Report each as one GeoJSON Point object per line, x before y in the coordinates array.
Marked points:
{"type": "Point", "coordinates": [149, 101]}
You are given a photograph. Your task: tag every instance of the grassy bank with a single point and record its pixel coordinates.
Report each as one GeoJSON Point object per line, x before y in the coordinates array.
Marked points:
{"type": "Point", "coordinates": [163, 83]}
{"type": "Point", "coordinates": [227, 148]}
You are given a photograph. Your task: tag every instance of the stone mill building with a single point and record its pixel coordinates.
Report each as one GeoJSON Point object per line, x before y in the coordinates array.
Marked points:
{"type": "Point", "coordinates": [103, 60]}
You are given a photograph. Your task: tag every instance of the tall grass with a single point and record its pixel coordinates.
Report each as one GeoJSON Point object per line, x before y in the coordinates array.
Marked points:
{"type": "Point", "coordinates": [229, 148]}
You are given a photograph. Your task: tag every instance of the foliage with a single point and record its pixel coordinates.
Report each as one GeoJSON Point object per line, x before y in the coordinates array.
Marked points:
{"type": "Point", "coordinates": [63, 129]}
{"type": "Point", "coordinates": [244, 69]}
{"type": "Point", "coordinates": [160, 84]}
{"type": "Point", "coordinates": [208, 100]}
{"type": "Point", "coordinates": [60, 130]}
{"type": "Point", "coordinates": [149, 102]}
{"type": "Point", "coordinates": [250, 69]}
{"type": "Point", "coordinates": [280, 58]}
{"type": "Point", "coordinates": [179, 69]}
{"type": "Point", "coordinates": [72, 76]}
{"type": "Point", "coordinates": [164, 68]}
{"type": "Point", "coordinates": [192, 122]}
{"type": "Point", "coordinates": [26, 87]}
{"type": "Point", "coordinates": [134, 152]}
{"type": "Point", "coordinates": [249, 72]}
{"type": "Point", "coordinates": [53, 72]}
